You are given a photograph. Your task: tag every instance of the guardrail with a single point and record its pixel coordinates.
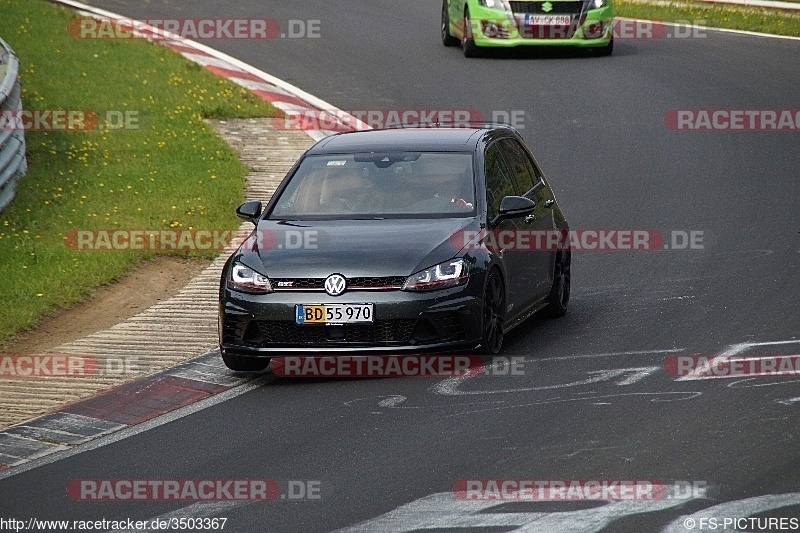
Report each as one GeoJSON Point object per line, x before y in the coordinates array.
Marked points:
{"type": "Point", "coordinates": [12, 138]}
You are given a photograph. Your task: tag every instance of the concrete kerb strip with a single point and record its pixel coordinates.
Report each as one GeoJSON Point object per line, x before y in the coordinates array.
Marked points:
{"type": "Point", "coordinates": [173, 341]}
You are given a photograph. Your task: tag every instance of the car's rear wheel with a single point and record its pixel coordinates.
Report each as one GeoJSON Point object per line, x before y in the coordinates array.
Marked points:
{"type": "Point", "coordinates": [447, 38]}
{"type": "Point", "coordinates": [494, 307]}
{"type": "Point", "coordinates": [467, 40]}
{"type": "Point", "coordinates": [558, 298]}
{"type": "Point", "coordinates": [245, 364]}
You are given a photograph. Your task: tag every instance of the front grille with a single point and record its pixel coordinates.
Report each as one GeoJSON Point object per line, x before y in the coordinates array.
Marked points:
{"type": "Point", "coordinates": [567, 7]}
{"type": "Point", "coordinates": [395, 282]}
{"type": "Point", "coordinates": [285, 333]}
{"type": "Point", "coordinates": [357, 283]}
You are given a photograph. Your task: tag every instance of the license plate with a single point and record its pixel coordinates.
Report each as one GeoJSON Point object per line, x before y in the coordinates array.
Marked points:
{"type": "Point", "coordinates": [548, 20]}
{"type": "Point", "coordinates": [334, 314]}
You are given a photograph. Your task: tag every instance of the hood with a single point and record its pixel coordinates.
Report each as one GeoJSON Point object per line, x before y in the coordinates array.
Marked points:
{"type": "Point", "coordinates": [316, 249]}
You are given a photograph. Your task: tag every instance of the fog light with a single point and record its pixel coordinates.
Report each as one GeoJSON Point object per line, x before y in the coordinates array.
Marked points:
{"type": "Point", "coordinates": [494, 30]}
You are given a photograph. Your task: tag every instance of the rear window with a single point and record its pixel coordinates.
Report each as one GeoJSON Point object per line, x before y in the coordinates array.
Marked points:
{"type": "Point", "coordinates": [380, 185]}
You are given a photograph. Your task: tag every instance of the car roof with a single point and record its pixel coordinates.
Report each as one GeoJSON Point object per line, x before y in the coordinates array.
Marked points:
{"type": "Point", "coordinates": [402, 139]}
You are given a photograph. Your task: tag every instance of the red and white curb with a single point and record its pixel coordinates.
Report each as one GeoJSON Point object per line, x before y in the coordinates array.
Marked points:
{"type": "Point", "coordinates": [292, 101]}
{"type": "Point", "coordinates": [123, 406]}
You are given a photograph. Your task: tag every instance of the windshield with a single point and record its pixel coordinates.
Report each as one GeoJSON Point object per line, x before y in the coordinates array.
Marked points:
{"type": "Point", "coordinates": [380, 185]}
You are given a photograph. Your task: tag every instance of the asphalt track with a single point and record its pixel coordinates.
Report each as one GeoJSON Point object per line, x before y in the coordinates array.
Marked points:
{"type": "Point", "coordinates": [594, 402]}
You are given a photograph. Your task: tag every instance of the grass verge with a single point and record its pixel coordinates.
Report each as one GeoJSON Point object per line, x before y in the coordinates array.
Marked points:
{"type": "Point", "coordinates": [168, 169]}
{"type": "Point", "coordinates": [775, 21]}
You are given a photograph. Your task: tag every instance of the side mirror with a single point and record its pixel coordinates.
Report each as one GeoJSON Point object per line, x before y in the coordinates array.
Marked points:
{"type": "Point", "coordinates": [249, 211]}
{"type": "Point", "coordinates": [513, 207]}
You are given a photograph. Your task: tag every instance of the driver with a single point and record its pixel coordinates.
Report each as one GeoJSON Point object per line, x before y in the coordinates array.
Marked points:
{"type": "Point", "coordinates": [443, 180]}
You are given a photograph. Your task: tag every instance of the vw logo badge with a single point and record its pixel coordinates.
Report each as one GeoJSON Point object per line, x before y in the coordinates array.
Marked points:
{"type": "Point", "coordinates": [335, 284]}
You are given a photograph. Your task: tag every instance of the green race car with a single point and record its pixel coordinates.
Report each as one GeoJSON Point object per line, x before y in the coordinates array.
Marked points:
{"type": "Point", "coordinates": [478, 24]}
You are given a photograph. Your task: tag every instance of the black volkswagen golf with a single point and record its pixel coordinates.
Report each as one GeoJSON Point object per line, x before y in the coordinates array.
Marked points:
{"type": "Point", "coordinates": [396, 241]}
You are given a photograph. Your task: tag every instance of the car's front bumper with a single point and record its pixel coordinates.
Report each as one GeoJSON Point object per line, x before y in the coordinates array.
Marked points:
{"type": "Point", "coordinates": [404, 322]}
{"type": "Point", "coordinates": [491, 28]}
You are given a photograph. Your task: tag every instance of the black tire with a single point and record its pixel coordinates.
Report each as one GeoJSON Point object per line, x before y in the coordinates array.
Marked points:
{"type": "Point", "coordinates": [447, 37]}
{"type": "Point", "coordinates": [606, 50]}
{"type": "Point", "coordinates": [467, 42]}
{"type": "Point", "coordinates": [494, 310]}
{"type": "Point", "coordinates": [245, 364]}
{"type": "Point", "coordinates": [558, 298]}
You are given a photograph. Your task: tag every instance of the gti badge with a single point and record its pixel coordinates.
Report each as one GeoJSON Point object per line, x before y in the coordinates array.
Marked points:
{"type": "Point", "coordinates": [335, 284]}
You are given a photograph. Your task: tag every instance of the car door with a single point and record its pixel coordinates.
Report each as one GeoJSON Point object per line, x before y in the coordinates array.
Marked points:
{"type": "Point", "coordinates": [550, 220]}
{"type": "Point", "coordinates": [501, 238]}
{"type": "Point", "coordinates": [538, 265]}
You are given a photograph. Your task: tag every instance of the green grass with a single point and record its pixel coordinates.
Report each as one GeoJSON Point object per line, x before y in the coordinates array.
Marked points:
{"type": "Point", "coordinates": [779, 22]}
{"type": "Point", "coordinates": [171, 172]}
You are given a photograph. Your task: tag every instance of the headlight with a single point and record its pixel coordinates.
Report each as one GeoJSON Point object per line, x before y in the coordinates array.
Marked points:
{"type": "Point", "coordinates": [597, 4]}
{"type": "Point", "coordinates": [444, 275]}
{"type": "Point", "coordinates": [246, 279]}
{"type": "Point", "coordinates": [494, 4]}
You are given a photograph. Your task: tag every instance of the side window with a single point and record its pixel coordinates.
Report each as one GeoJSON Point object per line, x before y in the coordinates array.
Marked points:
{"type": "Point", "coordinates": [522, 168]}
{"type": "Point", "coordinates": [498, 180]}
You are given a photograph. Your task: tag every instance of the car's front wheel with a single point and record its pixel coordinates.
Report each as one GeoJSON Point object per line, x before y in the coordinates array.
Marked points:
{"type": "Point", "coordinates": [558, 298]}
{"type": "Point", "coordinates": [245, 364]}
{"type": "Point", "coordinates": [447, 38]}
{"type": "Point", "coordinates": [467, 41]}
{"type": "Point", "coordinates": [494, 307]}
